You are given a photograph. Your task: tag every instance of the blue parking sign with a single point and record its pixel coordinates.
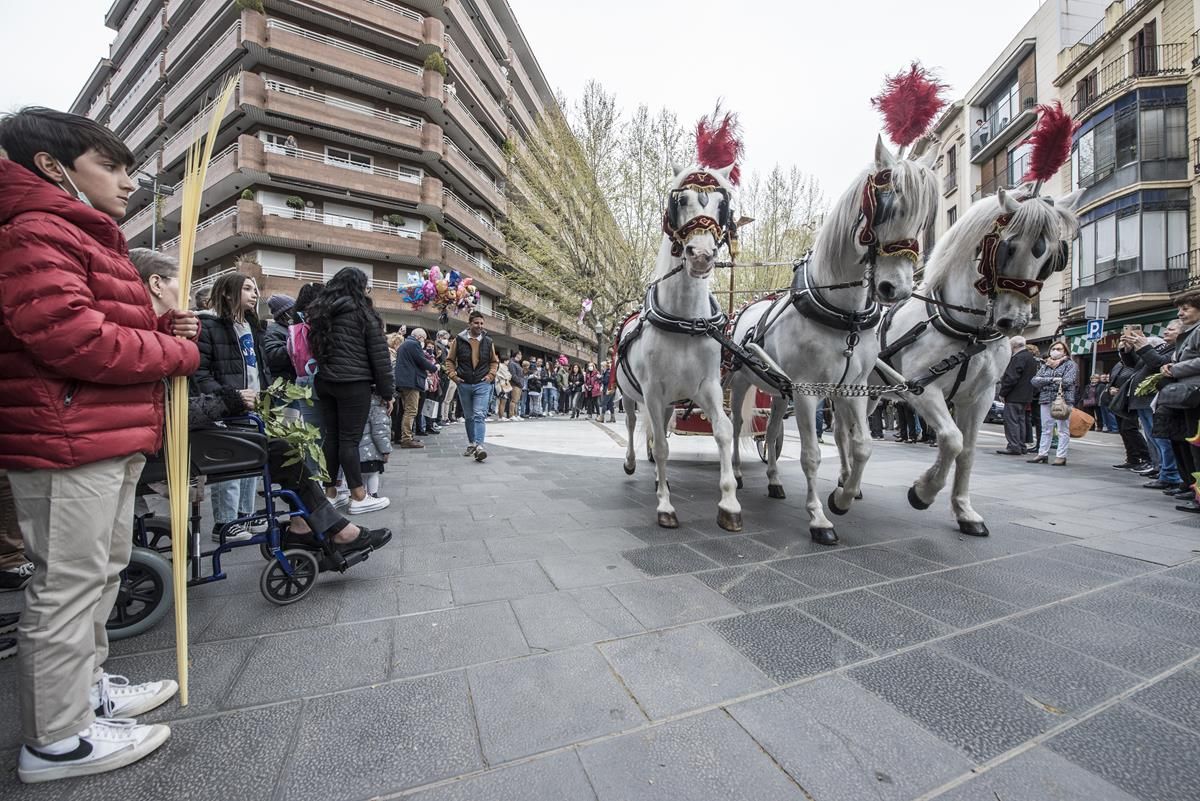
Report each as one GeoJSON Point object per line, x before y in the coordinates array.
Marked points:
{"type": "Point", "coordinates": [1095, 330]}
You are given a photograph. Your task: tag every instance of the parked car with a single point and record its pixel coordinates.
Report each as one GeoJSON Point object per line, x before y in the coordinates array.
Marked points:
{"type": "Point", "coordinates": [996, 413]}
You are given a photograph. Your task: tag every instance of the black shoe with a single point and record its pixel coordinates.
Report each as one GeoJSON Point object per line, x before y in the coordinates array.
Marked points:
{"type": "Point", "coordinates": [1150, 470]}
{"type": "Point", "coordinates": [434, 431]}
{"type": "Point", "coordinates": [1192, 507]}
{"type": "Point", "coordinates": [1143, 467]}
{"type": "Point", "coordinates": [1010, 453]}
{"type": "Point", "coordinates": [1126, 465]}
{"type": "Point", "coordinates": [1163, 485]}
{"type": "Point", "coordinates": [8, 622]}
{"type": "Point", "coordinates": [15, 578]}
{"type": "Point", "coordinates": [1182, 495]}
{"type": "Point", "coordinates": [8, 647]}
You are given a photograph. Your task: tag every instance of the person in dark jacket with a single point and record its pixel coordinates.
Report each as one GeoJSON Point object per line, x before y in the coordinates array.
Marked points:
{"type": "Point", "coordinates": [231, 357]}
{"type": "Point", "coordinates": [1120, 391]}
{"type": "Point", "coordinates": [1150, 354]}
{"type": "Point", "coordinates": [1185, 367]}
{"type": "Point", "coordinates": [471, 364]}
{"type": "Point", "coordinates": [82, 362]}
{"type": "Point", "coordinates": [412, 368]}
{"type": "Point", "coordinates": [1016, 390]}
{"type": "Point", "coordinates": [353, 363]}
{"type": "Point", "coordinates": [274, 338]}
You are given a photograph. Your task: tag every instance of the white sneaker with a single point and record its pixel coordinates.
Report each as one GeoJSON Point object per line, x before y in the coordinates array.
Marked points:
{"type": "Point", "coordinates": [106, 745]}
{"type": "Point", "coordinates": [368, 504]}
{"type": "Point", "coordinates": [114, 697]}
{"type": "Point", "coordinates": [258, 528]}
{"type": "Point", "coordinates": [341, 501]}
{"type": "Point", "coordinates": [235, 533]}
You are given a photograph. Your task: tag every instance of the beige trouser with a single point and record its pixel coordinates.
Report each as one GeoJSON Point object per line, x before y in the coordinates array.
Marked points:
{"type": "Point", "coordinates": [77, 526]}
{"type": "Point", "coordinates": [409, 398]}
{"type": "Point", "coordinates": [12, 550]}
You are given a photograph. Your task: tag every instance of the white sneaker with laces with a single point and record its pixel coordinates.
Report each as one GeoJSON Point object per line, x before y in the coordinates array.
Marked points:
{"type": "Point", "coordinates": [368, 504]}
{"type": "Point", "coordinates": [114, 697]}
{"type": "Point", "coordinates": [235, 533]}
{"type": "Point", "coordinates": [106, 745]}
{"type": "Point", "coordinates": [341, 501]}
{"type": "Point", "coordinates": [259, 527]}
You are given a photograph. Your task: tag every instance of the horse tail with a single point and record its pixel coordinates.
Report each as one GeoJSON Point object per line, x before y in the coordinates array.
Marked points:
{"type": "Point", "coordinates": [748, 409]}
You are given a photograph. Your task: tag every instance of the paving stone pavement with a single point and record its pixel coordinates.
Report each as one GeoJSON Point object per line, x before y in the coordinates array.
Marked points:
{"type": "Point", "coordinates": [530, 633]}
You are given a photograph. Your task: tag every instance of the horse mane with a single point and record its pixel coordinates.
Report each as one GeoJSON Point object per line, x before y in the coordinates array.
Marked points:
{"type": "Point", "coordinates": [956, 248]}
{"type": "Point", "coordinates": [836, 244]}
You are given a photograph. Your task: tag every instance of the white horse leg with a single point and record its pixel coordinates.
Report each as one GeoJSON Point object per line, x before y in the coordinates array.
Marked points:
{"type": "Point", "coordinates": [774, 432]}
{"type": "Point", "coordinates": [737, 396]}
{"type": "Point", "coordinates": [969, 418]}
{"type": "Point", "coordinates": [631, 429]}
{"type": "Point", "coordinates": [932, 408]}
{"type": "Point", "coordinates": [819, 527]}
{"type": "Point", "coordinates": [845, 445]}
{"type": "Point", "coordinates": [852, 429]}
{"type": "Point", "coordinates": [656, 418]}
{"type": "Point", "coordinates": [729, 511]}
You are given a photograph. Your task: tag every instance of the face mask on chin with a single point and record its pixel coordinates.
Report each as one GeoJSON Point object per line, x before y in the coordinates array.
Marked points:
{"type": "Point", "coordinates": [80, 196]}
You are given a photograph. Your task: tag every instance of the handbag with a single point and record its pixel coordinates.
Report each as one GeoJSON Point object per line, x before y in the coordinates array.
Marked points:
{"type": "Point", "coordinates": [1081, 423]}
{"type": "Point", "coordinates": [1059, 409]}
{"type": "Point", "coordinates": [1177, 395]}
{"type": "Point", "coordinates": [431, 408]}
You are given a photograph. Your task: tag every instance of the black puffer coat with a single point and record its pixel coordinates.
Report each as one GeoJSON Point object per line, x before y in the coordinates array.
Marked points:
{"type": "Point", "coordinates": [358, 350]}
{"type": "Point", "coordinates": [221, 363]}
{"type": "Point", "coordinates": [274, 344]}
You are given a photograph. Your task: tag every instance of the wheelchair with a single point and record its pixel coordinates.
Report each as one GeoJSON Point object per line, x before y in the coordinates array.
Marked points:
{"type": "Point", "coordinates": [232, 449]}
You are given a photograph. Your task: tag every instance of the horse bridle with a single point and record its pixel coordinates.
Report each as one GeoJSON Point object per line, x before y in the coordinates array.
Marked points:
{"type": "Point", "coordinates": [878, 205]}
{"type": "Point", "coordinates": [722, 227]}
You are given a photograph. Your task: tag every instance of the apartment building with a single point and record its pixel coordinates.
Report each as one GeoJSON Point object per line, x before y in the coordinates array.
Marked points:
{"type": "Point", "coordinates": [981, 137]}
{"type": "Point", "coordinates": [1130, 82]}
{"type": "Point", "coordinates": [365, 133]}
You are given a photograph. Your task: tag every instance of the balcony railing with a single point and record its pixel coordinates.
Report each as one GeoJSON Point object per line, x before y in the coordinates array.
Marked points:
{"type": "Point", "coordinates": [1181, 272]}
{"type": "Point", "coordinates": [338, 221]}
{"type": "Point", "coordinates": [949, 182]}
{"type": "Point", "coordinates": [1003, 116]}
{"type": "Point", "coordinates": [178, 188]}
{"type": "Point", "coordinates": [410, 176]}
{"type": "Point", "coordinates": [486, 178]}
{"type": "Point", "coordinates": [1092, 36]}
{"type": "Point", "coordinates": [458, 201]}
{"type": "Point", "coordinates": [401, 10]}
{"type": "Point", "coordinates": [207, 281]}
{"type": "Point", "coordinates": [330, 41]}
{"type": "Point", "coordinates": [193, 125]}
{"type": "Point", "coordinates": [1196, 49]}
{"type": "Point", "coordinates": [1137, 62]}
{"type": "Point", "coordinates": [1196, 157]}
{"type": "Point", "coordinates": [229, 213]}
{"type": "Point", "coordinates": [349, 105]}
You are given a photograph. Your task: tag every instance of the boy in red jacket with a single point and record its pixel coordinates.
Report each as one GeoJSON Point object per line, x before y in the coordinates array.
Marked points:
{"type": "Point", "coordinates": [82, 358]}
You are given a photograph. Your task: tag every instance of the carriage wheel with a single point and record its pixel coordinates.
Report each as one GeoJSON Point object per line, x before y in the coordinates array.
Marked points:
{"type": "Point", "coordinates": [280, 588]}
{"type": "Point", "coordinates": [145, 595]}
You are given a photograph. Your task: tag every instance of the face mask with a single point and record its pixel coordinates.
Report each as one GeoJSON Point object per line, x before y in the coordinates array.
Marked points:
{"type": "Point", "coordinates": [80, 195]}
{"type": "Point", "coordinates": [1056, 354]}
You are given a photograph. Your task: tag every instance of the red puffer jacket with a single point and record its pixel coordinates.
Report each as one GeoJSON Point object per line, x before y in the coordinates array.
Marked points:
{"type": "Point", "coordinates": [82, 356]}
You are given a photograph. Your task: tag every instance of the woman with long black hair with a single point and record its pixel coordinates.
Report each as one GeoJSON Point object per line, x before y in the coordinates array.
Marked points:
{"type": "Point", "coordinates": [353, 364]}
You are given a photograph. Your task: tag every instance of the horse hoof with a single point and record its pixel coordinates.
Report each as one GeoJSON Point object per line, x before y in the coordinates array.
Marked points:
{"type": "Point", "coordinates": [775, 491]}
{"type": "Point", "coordinates": [668, 520]}
{"type": "Point", "coordinates": [857, 495]}
{"type": "Point", "coordinates": [730, 521]}
{"type": "Point", "coordinates": [739, 482]}
{"type": "Point", "coordinates": [629, 470]}
{"type": "Point", "coordinates": [915, 501]}
{"type": "Point", "coordinates": [823, 536]}
{"type": "Point", "coordinates": [973, 529]}
{"type": "Point", "coordinates": [833, 507]}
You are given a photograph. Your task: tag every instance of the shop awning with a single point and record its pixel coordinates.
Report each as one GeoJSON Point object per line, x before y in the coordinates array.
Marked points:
{"type": "Point", "coordinates": [1152, 322]}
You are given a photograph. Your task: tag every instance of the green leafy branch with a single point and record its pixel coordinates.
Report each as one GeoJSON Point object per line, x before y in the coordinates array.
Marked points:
{"type": "Point", "coordinates": [1148, 386]}
{"type": "Point", "coordinates": [303, 439]}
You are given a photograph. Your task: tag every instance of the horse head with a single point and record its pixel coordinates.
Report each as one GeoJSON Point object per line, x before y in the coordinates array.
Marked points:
{"type": "Point", "coordinates": [1014, 241]}
{"type": "Point", "coordinates": [897, 199]}
{"type": "Point", "coordinates": [699, 218]}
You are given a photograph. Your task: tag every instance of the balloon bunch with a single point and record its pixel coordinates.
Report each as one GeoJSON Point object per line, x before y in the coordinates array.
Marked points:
{"type": "Point", "coordinates": [449, 292]}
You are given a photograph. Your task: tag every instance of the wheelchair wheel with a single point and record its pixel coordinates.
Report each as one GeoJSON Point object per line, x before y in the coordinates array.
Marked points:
{"type": "Point", "coordinates": [145, 596]}
{"type": "Point", "coordinates": [158, 534]}
{"type": "Point", "coordinates": [280, 588]}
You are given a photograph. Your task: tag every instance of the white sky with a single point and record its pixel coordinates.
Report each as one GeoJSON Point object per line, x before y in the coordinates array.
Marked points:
{"type": "Point", "coordinates": [800, 74]}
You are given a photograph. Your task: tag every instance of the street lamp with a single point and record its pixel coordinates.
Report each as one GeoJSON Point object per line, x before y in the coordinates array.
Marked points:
{"type": "Point", "coordinates": [599, 339]}
{"type": "Point", "coordinates": [151, 182]}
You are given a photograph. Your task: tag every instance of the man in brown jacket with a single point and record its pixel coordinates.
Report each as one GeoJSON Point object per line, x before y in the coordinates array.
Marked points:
{"type": "Point", "coordinates": [471, 364]}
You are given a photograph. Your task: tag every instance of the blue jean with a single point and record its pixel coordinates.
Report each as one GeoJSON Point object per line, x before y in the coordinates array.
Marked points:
{"type": "Point", "coordinates": [550, 399]}
{"type": "Point", "coordinates": [1108, 420]}
{"type": "Point", "coordinates": [474, 399]}
{"type": "Point", "coordinates": [1168, 469]}
{"type": "Point", "coordinates": [233, 499]}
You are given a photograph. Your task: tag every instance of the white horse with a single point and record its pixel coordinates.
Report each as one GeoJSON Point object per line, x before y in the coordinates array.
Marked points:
{"type": "Point", "coordinates": [982, 277]}
{"type": "Point", "coordinates": [664, 354]}
{"type": "Point", "coordinates": [821, 330]}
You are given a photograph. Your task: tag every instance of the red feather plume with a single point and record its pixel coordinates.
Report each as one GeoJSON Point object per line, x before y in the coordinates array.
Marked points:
{"type": "Point", "coordinates": [910, 100]}
{"type": "Point", "coordinates": [1051, 141]}
{"type": "Point", "coordinates": [719, 143]}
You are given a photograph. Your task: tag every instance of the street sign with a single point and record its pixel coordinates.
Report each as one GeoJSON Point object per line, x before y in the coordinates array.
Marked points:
{"type": "Point", "coordinates": [1096, 309]}
{"type": "Point", "coordinates": [1095, 330]}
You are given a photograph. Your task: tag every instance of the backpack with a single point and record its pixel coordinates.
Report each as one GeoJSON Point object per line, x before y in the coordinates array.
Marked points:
{"type": "Point", "coordinates": [301, 353]}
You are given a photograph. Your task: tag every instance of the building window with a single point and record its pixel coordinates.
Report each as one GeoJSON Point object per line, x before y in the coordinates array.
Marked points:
{"type": "Point", "coordinates": [951, 216]}
{"type": "Point", "coordinates": [1018, 163]}
{"type": "Point", "coordinates": [349, 159]}
{"type": "Point", "coordinates": [1141, 231]}
{"type": "Point", "coordinates": [1142, 136]}
{"type": "Point", "coordinates": [952, 160]}
{"type": "Point", "coordinates": [273, 142]}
